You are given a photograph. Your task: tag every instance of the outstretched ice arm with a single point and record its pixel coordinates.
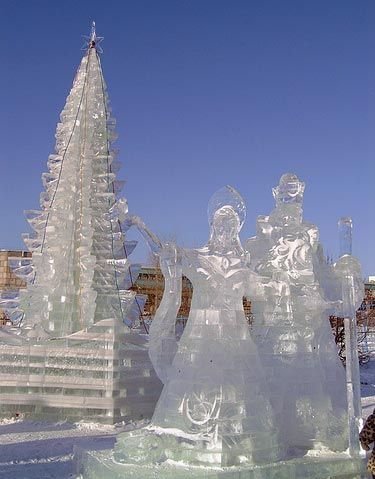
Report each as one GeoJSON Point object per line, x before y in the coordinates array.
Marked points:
{"type": "Point", "coordinates": [119, 212]}
{"type": "Point", "coordinates": [152, 240]}
{"type": "Point", "coordinates": [163, 343]}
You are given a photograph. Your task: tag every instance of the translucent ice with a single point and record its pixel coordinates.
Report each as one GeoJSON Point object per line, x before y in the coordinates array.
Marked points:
{"type": "Point", "coordinates": [214, 407]}
{"type": "Point", "coordinates": [73, 357]}
{"type": "Point", "coordinates": [80, 260]}
{"type": "Point", "coordinates": [291, 325]}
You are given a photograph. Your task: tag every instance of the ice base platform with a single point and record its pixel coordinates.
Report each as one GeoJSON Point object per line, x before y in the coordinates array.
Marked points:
{"type": "Point", "coordinates": [102, 374]}
{"type": "Point", "coordinates": [102, 465]}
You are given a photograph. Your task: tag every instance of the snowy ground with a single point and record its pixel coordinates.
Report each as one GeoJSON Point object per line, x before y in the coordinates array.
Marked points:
{"type": "Point", "coordinates": [36, 450]}
{"type": "Point", "coordinates": [368, 387]}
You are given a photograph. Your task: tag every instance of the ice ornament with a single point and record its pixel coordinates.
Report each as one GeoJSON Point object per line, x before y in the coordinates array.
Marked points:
{"type": "Point", "coordinates": [214, 407]}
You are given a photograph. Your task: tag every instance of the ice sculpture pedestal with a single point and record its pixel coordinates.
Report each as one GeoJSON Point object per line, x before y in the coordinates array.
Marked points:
{"type": "Point", "coordinates": [102, 465]}
{"type": "Point", "coordinates": [102, 374]}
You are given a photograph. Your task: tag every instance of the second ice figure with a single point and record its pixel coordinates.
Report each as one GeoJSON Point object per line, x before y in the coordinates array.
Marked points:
{"type": "Point", "coordinates": [214, 399]}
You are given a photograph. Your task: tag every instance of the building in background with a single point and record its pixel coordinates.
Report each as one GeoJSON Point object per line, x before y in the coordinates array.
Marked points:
{"type": "Point", "coordinates": [150, 282]}
{"type": "Point", "coordinates": [367, 309]}
{"type": "Point", "coordinates": [9, 280]}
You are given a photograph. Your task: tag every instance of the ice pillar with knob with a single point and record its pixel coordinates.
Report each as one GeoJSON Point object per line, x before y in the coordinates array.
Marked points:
{"type": "Point", "coordinates": [349, 270]}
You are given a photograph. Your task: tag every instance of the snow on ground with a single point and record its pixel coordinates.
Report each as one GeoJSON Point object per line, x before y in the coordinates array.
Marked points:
{"type": "Point", "coordinates": [38, 450]}
{"type": "Point", "coordinates": [368, 387]}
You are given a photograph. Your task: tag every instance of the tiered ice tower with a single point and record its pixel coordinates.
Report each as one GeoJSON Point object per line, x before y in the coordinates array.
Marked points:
{"type": "Point", "coordinates": [78, 277]}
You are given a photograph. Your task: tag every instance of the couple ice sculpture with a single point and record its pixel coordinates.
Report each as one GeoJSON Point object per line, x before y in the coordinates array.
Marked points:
{"type": "Point", "coordinates": [219, 400]}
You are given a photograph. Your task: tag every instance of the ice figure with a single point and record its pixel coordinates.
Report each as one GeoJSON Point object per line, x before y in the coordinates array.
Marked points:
{"type": "Point", "coordinates": [215, 409]}
{"type": "Point", "coordinates": [214, 406]}
{"type": "Point", "coordinates": [73, 357]}
{"type": "Point", "coordinates": [79, 264]}
{"type": "Point", "coordinates": [291, 327]}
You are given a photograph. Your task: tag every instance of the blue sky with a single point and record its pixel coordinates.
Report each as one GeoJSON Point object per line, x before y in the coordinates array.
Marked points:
{"type": "Point", "coordinates": [205, 93]}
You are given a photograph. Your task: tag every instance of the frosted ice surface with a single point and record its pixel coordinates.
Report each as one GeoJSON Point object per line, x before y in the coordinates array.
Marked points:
{"type": "Point", "coordinates": [270, 399]}
{"type": "Point", "coordinates": [214, 407]}
{"type": "Point", "coordinates": [73, 355]}
{"type": "Point", "coordinates": [235, 396]}
{"type": "Point", "coordinates": [80, 260]}
{"type": "Point", "coordinates": [291, 328]}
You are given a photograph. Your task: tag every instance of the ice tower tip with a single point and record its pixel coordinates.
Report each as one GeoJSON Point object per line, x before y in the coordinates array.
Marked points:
{"type": "Point", "coordinates": [93, 35]}
{"type": "Point", "coordinates": [92, 41]}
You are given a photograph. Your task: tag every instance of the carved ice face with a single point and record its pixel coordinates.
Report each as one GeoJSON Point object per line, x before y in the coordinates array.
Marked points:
{"type": "Point", "coordinates": [226, 197]}
{"type": "Point", "coordinates": [289, 190]}
{"type": "Point", "coordinates": [225, 225]}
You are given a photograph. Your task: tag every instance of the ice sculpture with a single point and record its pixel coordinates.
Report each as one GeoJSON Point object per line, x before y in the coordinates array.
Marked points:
{"type": "Point", "coordinates": [79, 254]}
{"type": "Point", "coordinates": [70, 319]}
{"type": "Point", "coordinates": [291, 326]}
{"type": "Point", "coordinates": [216, 417]}
{"type": "Point", "coordinates": [214, 406]}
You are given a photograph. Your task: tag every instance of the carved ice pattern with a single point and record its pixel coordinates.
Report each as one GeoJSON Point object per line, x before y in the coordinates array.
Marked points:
{"type": "Point", "coordinates": [215, 395]}
{"type": "Point", "coordinates": [291, 326]}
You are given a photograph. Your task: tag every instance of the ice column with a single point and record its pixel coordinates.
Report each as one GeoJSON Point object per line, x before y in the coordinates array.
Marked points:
{"type": "Point", "coordinates": [345, 235]}
{"type": "Point", "coordinates": [347, 265]}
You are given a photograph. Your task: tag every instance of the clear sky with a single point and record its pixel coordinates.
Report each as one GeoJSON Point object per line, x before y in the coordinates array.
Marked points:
{"type": "Point", "coordinates": [206, 93]}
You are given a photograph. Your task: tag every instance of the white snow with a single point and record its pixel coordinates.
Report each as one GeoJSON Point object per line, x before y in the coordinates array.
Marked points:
{"type": "Point", "coordinates": [39, 450]}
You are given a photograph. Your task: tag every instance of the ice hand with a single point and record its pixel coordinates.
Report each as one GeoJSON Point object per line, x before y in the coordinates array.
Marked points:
{"type": "Point", "coordinates": [169, 253]}
{"type": "Point", "coordinates": [170, 260]}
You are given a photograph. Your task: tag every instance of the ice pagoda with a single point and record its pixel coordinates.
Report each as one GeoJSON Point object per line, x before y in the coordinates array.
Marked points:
{"type": "Point", "coordinates": [70, 353]}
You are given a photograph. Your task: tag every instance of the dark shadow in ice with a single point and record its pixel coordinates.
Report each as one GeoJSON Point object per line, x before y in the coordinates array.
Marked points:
{"type": "Point", "coordinates": [45, 458]}
{"type": "Point", "coordinates": [367, 390]}
{"type": "Point", "coordinates": [367, 373]}
{"type": "Point", "coordinates": [52, 470]}
{"type": "Point", "coordinates": [37, 450]}
{"type": "Point", "coordinates": [31, 426]}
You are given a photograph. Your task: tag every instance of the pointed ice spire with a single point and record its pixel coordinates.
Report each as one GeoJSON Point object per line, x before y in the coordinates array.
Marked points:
{"type": "Point", "coordinates": [93, 32]}
{"type": "Point", "coordinates": [80, 263]}
{"type": "Point", "coordinates": [93, 41]}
